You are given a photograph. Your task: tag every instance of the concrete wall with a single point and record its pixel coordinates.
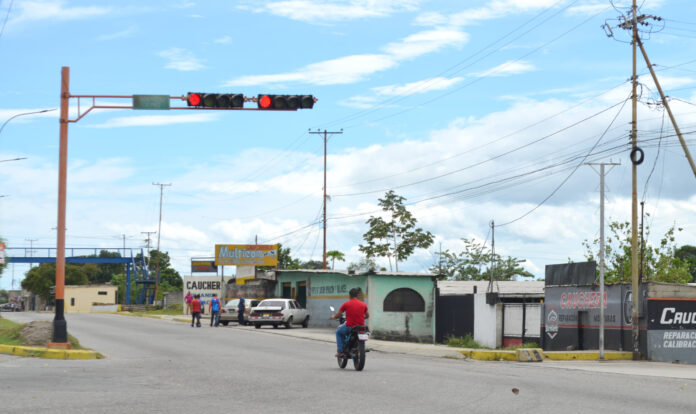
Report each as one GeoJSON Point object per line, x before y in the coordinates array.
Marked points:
{"type": "Point", "coordinates": [411, 326]}
{"type": "Point", "coordinates": [79, 299]}
{"type": "Point", "coordinates": [487, 322]}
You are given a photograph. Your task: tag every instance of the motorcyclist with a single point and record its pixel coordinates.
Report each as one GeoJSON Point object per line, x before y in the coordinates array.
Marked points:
{"type": "Point", "coordinates": [356, 312]}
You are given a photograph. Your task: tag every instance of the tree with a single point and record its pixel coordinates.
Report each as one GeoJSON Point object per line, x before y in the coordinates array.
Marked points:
{"type": "Point", "coordinates": [396, 238]}
{"type": "Point", "coordinates": [4, 296]}
{"type": "Point", "coordinates": [660, 263]}
{"type": "Point", "coordinates": [285, 260]}
{"type": "Point", "coordinates": [474, 263]}
{"type": "Point", "coordinates": [312, 264]}
{"type": "Point", "coordinates": [687, 254]}
{"type": "Point", "coordinates": [40, 279]}
{"type": "Point", "coordinates": [365, 264]}
{"type": "Point", "coordinates": [335, 255]}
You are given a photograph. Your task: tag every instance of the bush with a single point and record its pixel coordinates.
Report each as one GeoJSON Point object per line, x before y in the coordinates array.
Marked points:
{"type": "Point", "coordinates": [466, 342]}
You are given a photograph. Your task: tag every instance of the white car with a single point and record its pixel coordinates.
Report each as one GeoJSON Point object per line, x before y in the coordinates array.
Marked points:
{"type": "Point", "coordinates": [278, 312]}
{"type": "Point", "coordinates": [229, 311]}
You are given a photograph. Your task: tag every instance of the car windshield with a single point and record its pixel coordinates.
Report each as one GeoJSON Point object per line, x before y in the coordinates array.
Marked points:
{"type": "Point", "coordinates": [233, 302]}
{"type": "Point", "coordinates": [280, 303]}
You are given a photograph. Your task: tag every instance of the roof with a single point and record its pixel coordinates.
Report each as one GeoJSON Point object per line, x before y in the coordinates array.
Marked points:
{"type": "Point", "coordinates": [504, 288]}
{"type": "Point", "coordinates": [356, 273]}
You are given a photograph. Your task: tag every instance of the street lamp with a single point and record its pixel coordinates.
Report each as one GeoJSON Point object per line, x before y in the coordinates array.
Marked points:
{"type": "Point", "coordinates": [26, 113]}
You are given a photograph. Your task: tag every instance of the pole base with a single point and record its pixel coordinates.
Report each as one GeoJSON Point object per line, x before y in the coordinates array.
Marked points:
{"type": "Point", "coordinates": [60, 331]}
{"type": "Point", "coordinates": [58, 345]}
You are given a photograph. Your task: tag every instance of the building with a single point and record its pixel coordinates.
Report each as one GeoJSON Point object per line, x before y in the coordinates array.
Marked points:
{"type": "Point", "coordinates": [80, 299]}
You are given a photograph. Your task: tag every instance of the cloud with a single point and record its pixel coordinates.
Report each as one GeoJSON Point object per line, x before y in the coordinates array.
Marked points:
{"type": "Point", "coordinates": [223, 40]}
{"type": "Point", "coordinates": [155, 120]}
{"type": "Point", "coordinates": [322, 11]}
{"type": "Point", "coordinates": [422, 86]}
{"type": "Point", "coordinates": [492, 10]}
{"type": "Point", "coordinates": [55, 10]}
{"type": "Point", "coordinates": [506, 69]}
{"type": "Point", "coordinates": [356, 68]}
{"type": "Point", "coordinates": [118, 35]}
{"type": "Point", "coordinates": [181, 59]}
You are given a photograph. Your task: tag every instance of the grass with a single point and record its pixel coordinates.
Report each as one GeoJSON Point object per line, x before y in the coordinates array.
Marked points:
{"type": "Point", "coordinates": [10, 335]}
{"type": "Point", "coordinates": [465, 342]}
{"type": "Point", "coordinates": [523, 346]}
{"type": "Point", "coordinates": [174, 309]}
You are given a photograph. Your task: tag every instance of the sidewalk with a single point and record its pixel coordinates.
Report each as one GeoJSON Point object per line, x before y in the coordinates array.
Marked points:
{"type": "Point", "coordinates": [615, 362]}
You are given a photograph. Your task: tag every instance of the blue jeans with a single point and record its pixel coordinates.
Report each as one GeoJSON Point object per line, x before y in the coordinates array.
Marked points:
{"type": "Point", "coordinates": [240, 316]}
{"type": "Point", "coordinates": [341, 335]}
{"type": "Point", "coordinates": [215, 318]}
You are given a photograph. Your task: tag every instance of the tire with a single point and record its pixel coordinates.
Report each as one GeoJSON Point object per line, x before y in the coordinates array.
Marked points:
{"type": "Point", "coordinates": [342, 362]}
{"type": "Point", "coordinates": [275, 326]}
{"type": "Point", "coordinates": [257, 325]}
{"type": "Point", "coordinates": [305, 323]}
{"type": "Point", "coordinates": [359, 359]}
{"type": "Point", "coordinates": [288, 323]}
{"type": "Point", "coordinates": [224, 323]}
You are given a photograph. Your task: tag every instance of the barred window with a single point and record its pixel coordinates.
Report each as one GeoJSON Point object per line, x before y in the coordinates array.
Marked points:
{"type": "Point", "coordinates": [404, 300]}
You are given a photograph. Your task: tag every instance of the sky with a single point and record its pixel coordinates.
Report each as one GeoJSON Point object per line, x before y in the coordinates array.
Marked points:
{"type": "Point", "coordinates": [475, 112]}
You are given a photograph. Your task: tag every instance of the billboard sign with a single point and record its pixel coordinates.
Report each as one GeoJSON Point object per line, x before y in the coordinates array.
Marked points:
{"type": "Point", "coordinates": [246, 254]}
{"type": "Point", "coordinates": [203, 266]}
{"type": "Point", "coordinates": [672, 329]}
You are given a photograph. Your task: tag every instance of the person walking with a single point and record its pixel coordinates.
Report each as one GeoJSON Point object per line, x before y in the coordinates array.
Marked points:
{"type": "Point", "coordinates": [241, 307]}
{"type": "Point", "coordinates": [188, 299]}
{"type": "Point", "coordinates": [214, 309]}
{"type": "Point", "coordinates": [196, 311]}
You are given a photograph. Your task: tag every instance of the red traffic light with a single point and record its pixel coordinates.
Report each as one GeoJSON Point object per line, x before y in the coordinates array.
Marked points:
{"type": "Point", "coordinates": [285, 102]}
{"type": "Point", "coordinates": [265, 102]}
{"type": "Point", "coordinates": [193, 99]}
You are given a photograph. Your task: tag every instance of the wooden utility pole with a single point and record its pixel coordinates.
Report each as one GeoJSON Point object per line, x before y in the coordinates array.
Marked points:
{"type": "Point", "coordinates": [325, 132]}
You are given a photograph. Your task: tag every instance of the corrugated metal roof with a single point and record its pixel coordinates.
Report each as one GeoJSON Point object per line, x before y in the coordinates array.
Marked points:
{"type": "Point", "coordinates": [504, 288]}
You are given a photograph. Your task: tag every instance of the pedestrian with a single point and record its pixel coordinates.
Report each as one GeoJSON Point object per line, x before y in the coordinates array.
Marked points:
{"type": "Point", "coordinates": [214, 308]}
{"type": "Point", "coordinates": [196, 311]}
{"type": "Point", "coordinates": [240, 311]}
{"type": "Point", "coordinates": [189, 299]}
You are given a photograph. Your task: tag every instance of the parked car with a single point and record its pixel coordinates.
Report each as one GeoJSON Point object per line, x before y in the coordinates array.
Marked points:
{"type": "Point", "coordinates": [229, 311]}
{"type": "Point", "coordinates": [278, 312]}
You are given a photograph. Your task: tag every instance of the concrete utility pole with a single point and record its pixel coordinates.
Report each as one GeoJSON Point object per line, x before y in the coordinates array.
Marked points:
{"type": "Point", "coordinates": [325, 132]}
{"type": "Point", "coordinates": [601, 252]}
{"type": "Point", "coordinates": [31, 249]}
{"type": "Point", "coordinates": [159, 232]}
{"type": "Point", "coordinates": [634, 203]}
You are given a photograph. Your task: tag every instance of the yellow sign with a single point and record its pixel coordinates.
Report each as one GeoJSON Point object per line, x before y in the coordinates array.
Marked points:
{"type": "Point", "coordinates": [246, 254]}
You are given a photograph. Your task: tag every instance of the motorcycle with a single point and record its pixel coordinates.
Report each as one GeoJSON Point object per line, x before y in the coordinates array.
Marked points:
{"type": "Point", "coordinates": [354, 346]}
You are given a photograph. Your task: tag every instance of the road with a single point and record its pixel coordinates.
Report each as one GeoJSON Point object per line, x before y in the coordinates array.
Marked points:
{"type": "Point", "coordinates": [165, 366]}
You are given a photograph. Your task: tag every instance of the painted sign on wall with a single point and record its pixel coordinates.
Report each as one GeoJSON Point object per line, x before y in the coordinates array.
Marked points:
{"type": "Point", "coordinates": [246, 254]}
{"type": "Point", "coordinates": [672, 330]}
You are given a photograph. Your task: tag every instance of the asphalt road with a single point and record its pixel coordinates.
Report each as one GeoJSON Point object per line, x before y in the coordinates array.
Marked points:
{"type": "Point", "coordinates": [164, 366]}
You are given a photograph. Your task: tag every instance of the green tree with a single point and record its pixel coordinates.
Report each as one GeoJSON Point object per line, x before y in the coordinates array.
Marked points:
{"type": "Point", "coordinates": [285, 260]}
{"type": "Point", "coordinates": [335, 255]}
{"type": "Point", "coordinates": [474, 263]}
{"type": "Point", "coordinates": [4, 296]}
{"type": "Point", "coordinates": [396, 238]}
{"type": "Point", "coordinates": [120, 281]}
{"type": "Point", "coordinates": [312, 264]}
{"type": "Point", "coordinates": [40, 279]}
{"type": "Point", "coordinates": [687, 254]}
{"type": "Point", "coordinates": [365, 264]}
{"type": "Point", "coordinates": [660, 263]}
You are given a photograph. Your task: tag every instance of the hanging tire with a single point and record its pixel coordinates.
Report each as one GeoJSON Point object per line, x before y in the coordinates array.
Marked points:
{"type": "Point", "coordinates": [359, 359]}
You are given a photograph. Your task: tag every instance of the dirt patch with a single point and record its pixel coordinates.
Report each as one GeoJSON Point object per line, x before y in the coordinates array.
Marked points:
{"type": "Point", "coordinates": [37, 333]}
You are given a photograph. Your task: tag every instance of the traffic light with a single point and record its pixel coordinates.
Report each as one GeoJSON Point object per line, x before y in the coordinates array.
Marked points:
{"type": "Point", "coordinates": [215, 100]}
{"type": "Point", "coordinates": [285, 102]}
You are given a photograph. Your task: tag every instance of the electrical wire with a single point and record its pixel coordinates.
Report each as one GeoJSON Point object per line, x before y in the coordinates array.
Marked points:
{"type": "Point", "coordinates": [657, 156]}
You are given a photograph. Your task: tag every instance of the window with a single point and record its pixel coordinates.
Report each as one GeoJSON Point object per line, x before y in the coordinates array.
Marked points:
{"type": "Point", "coordinates": [404, 300]}
{"type": "Point", "coordinates": [102, 292]}
{"type": "Point", "coordinates": [72, 301]}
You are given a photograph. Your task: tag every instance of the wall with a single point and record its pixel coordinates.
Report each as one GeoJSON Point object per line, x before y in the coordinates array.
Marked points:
{"type": "Point", "coordinates": [205, 286]}
{"type": "Point", "coordinates": [411, 326]}
{"type": "Point", "coordinates": [170, 298]}
{"type": "Point", "coordinates": [671, 333]}
{"type": "Point", "coordinates": [79, 299]}
{"type": "Point", "coordinates": [487, 322]}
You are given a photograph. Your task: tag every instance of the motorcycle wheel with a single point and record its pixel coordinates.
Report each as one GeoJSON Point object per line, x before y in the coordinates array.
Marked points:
{"type": "Point", "coordinates": [359, 358]}
{"type": "Point", "coordinates": [342, 362]}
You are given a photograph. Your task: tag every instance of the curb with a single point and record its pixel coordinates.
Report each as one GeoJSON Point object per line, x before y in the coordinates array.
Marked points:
{"type": "Point", "coordinates": [537, 355]}
{"type": "Point", "coordinates": [41, 352]}
{"type": "Point", "coordinates": [489, 355]}
{"type": "Point", "coordinates": [586, 355]}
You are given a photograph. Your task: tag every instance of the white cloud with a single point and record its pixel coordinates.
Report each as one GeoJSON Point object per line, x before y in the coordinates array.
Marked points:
{"type": "Point", "coordinates": [155, 120]}
{"type": "Point", "coordinates": [223, 40]}
{"type": "Point", "coordinates": [55, 10]}
{"type": "Point", "coordinates": [181, 59]}
{"type": "Point", "coordinates": [118, 35]}
{"type": "Point", "coordinates": [422, 86]}
{"type": "Point", "coordinates": [355, 68]}
{"type": "Point", "coordinates": [506, 69]}
{"type": "Point", "coordinates": [321, 11]}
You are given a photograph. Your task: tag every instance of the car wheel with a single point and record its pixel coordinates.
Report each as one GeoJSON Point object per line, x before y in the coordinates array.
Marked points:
{"type": "Point", "coordinates": [305, 323]}
{"type": "Point", "coordinates": [224, 323]}
{"type": "Point", "coordinates": [257, 325]}
{"type": "Point", "coordinates": [275, 326]}
{"type": "Point", "coordinates": [288, 323]}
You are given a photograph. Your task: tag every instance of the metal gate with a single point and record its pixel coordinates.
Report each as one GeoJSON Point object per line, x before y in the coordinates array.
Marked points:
{"type": "Point", "coordinates": [454, 316]}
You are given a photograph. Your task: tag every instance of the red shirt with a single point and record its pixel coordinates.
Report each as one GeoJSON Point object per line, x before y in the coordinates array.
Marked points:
{"type": "Point", "coordinates": [196, 305]}
{"type": "Point", "coordinates": [355, 312]}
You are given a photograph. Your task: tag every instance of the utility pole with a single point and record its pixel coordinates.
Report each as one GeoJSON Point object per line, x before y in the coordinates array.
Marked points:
{"type": "Point", "coordinates": [492, 278]}
{"type": "Point", "coordinates": [159, 232]}
{"type": "Point", "coordinates": [634, 191]}
{"type": "Point", "coordinates": [601, 252]}
{"type": "Point", "coordinates": [31, 249]}
{"type": "Point", "coordinates": [325, 132]}
{"type": "Point", "coordinates": [124, 253]}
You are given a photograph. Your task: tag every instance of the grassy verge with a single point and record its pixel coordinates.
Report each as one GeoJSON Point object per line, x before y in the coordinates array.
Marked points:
{"type": "Point", "coordinates": [469, 342]}
{"type": "Point", "coordinates": [10, 334]}
{"type": "Point", "coordinates": [175, 309]}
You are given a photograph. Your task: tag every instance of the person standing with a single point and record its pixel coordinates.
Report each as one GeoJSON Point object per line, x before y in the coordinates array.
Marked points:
{"type": "Point", "coordinates": [188, 298]}
{"type": "Point", "coordinates": [214, 309]}
{"type": "Point", "coordinates": [196, 311]}
{"type": "Point", "coordinates": [241, 307]}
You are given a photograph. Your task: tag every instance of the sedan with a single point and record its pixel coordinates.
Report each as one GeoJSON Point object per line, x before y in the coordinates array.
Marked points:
{"type": "Point", "coordinates": [278, 312]}
{"type": "Point", "coordinates": [229, 311]}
